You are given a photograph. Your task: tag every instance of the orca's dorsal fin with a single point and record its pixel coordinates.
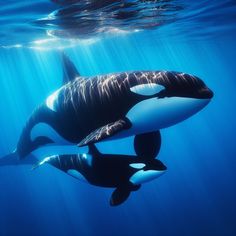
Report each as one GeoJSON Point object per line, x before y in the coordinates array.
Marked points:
{"type": "Point", "coordinates": [69, 70]}
{"type": "Point", "coordinates": [93, 150]}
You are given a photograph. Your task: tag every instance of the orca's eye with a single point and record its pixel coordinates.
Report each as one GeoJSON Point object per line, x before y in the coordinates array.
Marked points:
{"type": "Point", "coordinates": [147, 89]}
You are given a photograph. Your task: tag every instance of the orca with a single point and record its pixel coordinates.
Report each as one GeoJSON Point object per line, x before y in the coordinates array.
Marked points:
{"type": "Point", "coordinates": [64, 130]}
{"type": "Point", "coordinates": [122, 172]}
{"type": "Point", "coordinates": [88, 110]}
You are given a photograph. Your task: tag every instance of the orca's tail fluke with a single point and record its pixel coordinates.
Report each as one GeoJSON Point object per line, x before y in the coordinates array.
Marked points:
{"type": "Point", "coordinates": [13, 159]}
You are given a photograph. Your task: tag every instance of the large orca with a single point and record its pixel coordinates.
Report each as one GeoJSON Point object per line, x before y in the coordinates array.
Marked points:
{"type": "Point", "coordinates": [122, 172]}
{"type": "Point", "coordinates": [87, 110]}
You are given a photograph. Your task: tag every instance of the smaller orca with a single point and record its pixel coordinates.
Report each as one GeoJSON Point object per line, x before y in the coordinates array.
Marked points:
{"type": "Point", "coordinates": [122, 172]}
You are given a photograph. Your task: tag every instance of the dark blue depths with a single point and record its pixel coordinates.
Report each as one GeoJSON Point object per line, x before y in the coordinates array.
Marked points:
{"type": "Point", "coordinates": [197, 194]}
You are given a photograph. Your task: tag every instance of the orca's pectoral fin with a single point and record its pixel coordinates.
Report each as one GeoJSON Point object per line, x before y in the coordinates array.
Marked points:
{"type": "Point", "coordinates": [122, 193]}
{"type": "Point", "coordinates": [106, 132]}
{"type": "Point", "coordinates": [147, 145]}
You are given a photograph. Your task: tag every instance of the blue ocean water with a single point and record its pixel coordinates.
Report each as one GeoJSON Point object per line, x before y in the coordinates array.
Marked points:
{"type": "Point", "coordinates": [197, 194]}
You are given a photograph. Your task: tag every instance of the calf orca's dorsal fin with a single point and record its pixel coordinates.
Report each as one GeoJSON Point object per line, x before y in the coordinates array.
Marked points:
{"type": "Point", "coordinates": [69, 70]}
{"type": "Point", "coordinates": [93, 150]}
{"type": "Point", "coordinates": [147, 145]}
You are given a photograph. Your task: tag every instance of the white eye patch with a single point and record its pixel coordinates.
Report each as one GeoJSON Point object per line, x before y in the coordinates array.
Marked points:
{"type": "Point", "coordinates": [137, 165]}
{"type": "Point", "coordinates": [147, 89]}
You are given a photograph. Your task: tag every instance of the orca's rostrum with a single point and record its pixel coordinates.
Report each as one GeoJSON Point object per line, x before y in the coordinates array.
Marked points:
{"type": "Point", "coordinates": [88, 110]}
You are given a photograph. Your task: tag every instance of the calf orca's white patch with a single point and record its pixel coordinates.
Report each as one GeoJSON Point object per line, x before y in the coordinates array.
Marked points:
{"type": "Point", "coordinates": [142, 176]}
{"type": "Point", "coordinates": [45, 130]}
{"type": "Point", "coordinates": [76, 174]}
{"type": "Point", "coordinates": [147, 89]}
{"type": "Point", "coordinates": [137, 165]}
{"type": "Point", "coordinates": [52, 99]}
